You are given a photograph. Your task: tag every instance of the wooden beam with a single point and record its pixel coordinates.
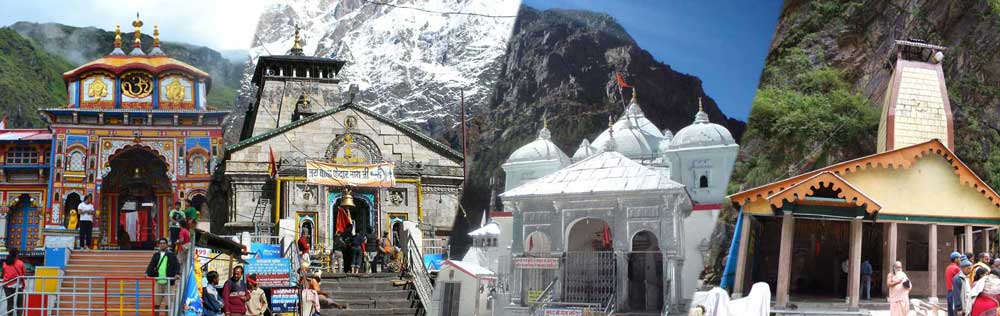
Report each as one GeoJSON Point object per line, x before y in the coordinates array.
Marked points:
{"type": "Point", "coordinates": [968, 241]}
{"type": "Point", "coordinates": [785, 259]}
{"type": "Point", "coordinates": [932, 258]}
{"type": "Point", "coordinates": [741, 261]}
{"type": "Point", "coordinates": [854, 274]}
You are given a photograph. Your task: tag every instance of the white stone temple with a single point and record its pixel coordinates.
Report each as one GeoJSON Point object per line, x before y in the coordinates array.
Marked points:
{"type": "Point", "coordinates": [625, 221]}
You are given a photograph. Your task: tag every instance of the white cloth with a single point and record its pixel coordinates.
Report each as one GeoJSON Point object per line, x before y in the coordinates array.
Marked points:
{"type": "Point", "coordinates": [131, 219]}
{"type": "Point", "coordinates": [86, 211]}
{"type": "Point", "coordinates": [716, 302]}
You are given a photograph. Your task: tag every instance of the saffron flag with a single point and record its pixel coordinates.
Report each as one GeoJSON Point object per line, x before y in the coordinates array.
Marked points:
{"type": "Point", "coordinates": [607, 236]}
{"type": "Point", "coordinates": [272, 168]}
{"type": "Point", "coordinates": [621, 81]}
{"type": "Point", "coordinates": [192, 297]}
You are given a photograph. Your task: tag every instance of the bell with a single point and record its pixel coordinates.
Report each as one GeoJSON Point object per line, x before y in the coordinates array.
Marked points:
{"type": "Point", "coordinates": [348, 200]}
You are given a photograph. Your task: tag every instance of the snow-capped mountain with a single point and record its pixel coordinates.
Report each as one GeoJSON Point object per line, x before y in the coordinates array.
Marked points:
{"type": "Point", "coordinates": [409, 61]}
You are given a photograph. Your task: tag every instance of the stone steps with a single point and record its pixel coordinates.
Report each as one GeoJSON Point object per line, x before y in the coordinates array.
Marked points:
{"type": "Point", "coordinates": [125, 264]}
{"type": "Point", "coordinates": [382, 294]}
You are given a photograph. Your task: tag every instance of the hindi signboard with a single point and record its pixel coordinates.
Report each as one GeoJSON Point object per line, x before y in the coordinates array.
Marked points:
{"type": "Point", "coordinates": [271, 272]}
{"type": "Point", "coordinates": [563, 312]}
{"type": "Point", "coordinates": [284, 300]}
{"type": "Point", "coordinates": [536, 263]}
{"type": "Point", "coordinates": [362, 175]}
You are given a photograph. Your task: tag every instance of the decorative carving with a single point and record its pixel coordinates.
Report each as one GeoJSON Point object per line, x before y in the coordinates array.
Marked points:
{"type": "Point", "coordinates": [537, 217]}
{"type": "Point", "coordinates": [353, 148]}
{"type": "Point", "coordinates": [97, 89]}
{"type": "Point", "coordinates": [137, 84]}
{"type": "Point", "coordinates": [643, 211]}
{"type": "Point", "coordinates": [175, 91]}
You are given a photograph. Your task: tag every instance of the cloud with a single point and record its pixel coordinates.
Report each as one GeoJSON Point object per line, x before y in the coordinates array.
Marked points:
{"type": "Point", "coordinates": [220, 24]}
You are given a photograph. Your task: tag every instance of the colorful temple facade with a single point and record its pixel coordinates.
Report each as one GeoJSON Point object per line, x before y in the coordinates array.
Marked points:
{"type": "Point", "coordinates": [914, 201]}
{"type": "Point", "coordinates": [24, 175]}
{"type": "Point", "coordinates": [136, 134]}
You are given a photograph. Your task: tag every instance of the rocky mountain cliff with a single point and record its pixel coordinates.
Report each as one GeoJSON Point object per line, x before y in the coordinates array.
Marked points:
{"type": "Point", "coordinates": [79, 45]}
{"type": "Point", "coordinates": [563, 62]}
{"type": "Point", "coordinates": [30, 78]}
{"type": "Point", "coordinates": [409, 64]}
{"type": "Point", "coordinates": [856, 39]}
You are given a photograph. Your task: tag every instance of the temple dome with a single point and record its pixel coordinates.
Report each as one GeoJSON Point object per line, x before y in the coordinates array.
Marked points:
{"type": "Point", "coordinates": [541, 149]}
{"type": "Point", "coordinates": [702, 133]}
{"type": "Point", "coordinates": [634, 136]}
{"type": "Point", "coordinates": [584, 151]}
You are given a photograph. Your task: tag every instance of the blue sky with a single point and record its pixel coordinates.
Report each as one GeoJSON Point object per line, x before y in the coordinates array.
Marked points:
{"type": "Point", "coordinates": [722, 42]}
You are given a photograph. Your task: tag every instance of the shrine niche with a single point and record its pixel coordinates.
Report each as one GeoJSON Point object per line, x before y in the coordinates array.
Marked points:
{"type": "Point", "coordinates": [353, 148]}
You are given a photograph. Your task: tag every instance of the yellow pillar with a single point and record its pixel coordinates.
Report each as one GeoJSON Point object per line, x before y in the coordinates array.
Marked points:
{"type": "Point", "coordinates": [277, 200]}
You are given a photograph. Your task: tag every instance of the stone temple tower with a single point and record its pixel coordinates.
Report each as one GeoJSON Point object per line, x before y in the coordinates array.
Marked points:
{"type": "Point", "coordinates": [291, 87]}
{"type": "Point", "coordinates": [916, 107]}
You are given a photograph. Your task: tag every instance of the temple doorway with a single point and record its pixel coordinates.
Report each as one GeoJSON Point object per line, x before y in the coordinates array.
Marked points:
{"type": "Point", "coordinates": [22, 225]}
{"type": "Point", "coordinates": [590, 267]}
{"type": "Point", "coordinates": [136, 192]}
{"type": "Point", "coordinates": [361, 214]}
{"type": "Point", "coordinates": [72, 201]}
{"type": "Point", "coordinates": [645, 274]}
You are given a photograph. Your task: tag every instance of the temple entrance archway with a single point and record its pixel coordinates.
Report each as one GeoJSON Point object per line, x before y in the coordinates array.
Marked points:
{"type": "Point", "coordinates": [590, 266]}
{"type": "Point", "coordinates": [645, 273]}
{"type": "Point", "coordinates": [22, 225]}
{"type": "Point", "coordinates": [72, 201]}
{"type": "Point", "coordinates": [136, 193]}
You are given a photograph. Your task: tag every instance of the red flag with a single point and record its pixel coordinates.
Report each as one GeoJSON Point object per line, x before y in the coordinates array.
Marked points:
{"type": "Point", "coordinates": [272, 168]}
{"type": "Point", "coordinates": [621, 81]}
{"type": "Point", "coordinates": [607, 236]}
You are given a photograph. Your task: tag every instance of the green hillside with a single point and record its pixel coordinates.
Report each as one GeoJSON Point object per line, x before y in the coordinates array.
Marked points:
{"type": "Point", "coordinates": [30, 79]}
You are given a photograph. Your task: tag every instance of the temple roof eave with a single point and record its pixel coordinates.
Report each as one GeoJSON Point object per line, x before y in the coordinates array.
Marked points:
{"type": "Point", "coordinates": [897, 158]}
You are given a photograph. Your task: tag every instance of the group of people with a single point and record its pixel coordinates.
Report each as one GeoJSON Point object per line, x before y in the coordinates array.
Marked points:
{"type": "Point", "coordinates": [240, 296]}
{"type": "Point", "coordinates": [973, 288]}
{"type": "Point", "coordinates": [351, 249]}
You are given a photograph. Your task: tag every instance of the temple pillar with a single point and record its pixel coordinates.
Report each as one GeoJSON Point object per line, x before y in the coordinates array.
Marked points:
{"type": "Point", "coordinates": [854, 273]}
{"type": "Point", "coordinates": [968, 242]}
{"type": "Point", "coordinates": [932, 258]}
{"type": "Point", "coordinates": [741, 261]}
{"type": "Point", "coordinates": [785, 259]}
{"type": "Point", "coordinates": [985, 241]}
{"type": "Point", "coordinates": [893, 233]}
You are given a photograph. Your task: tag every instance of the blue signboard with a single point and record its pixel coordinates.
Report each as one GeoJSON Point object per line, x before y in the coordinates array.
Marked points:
{"type": "Point", "coordinates": [271, 272]}
{"type": "Point", "coordinates": [265, 251]}
{"type": "Point", "coordinates": [284, 300]}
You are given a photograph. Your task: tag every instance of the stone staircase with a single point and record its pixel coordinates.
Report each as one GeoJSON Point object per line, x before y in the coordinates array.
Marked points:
{"type": "Point", "coordinates": [371, 294]}
{"type": "Point", "coordinates": [82, 291]}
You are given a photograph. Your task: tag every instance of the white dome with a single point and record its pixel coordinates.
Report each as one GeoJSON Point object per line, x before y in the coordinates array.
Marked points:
{"type": "Point", "coordinates": [634, 135]}
{"type": "Point", "coordinates": [541, 149]}
{"type": "Point", "coordinates": [584, 151]}
{"type": "Point", "coordinates": [702, 133]}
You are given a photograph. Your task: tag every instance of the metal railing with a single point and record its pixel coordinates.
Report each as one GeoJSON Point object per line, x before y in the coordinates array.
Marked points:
{"type": "Point", "coordinates": [90, 296]}
{"type": "Point", "coordinates": [543, 299]}
{"type": "Point", "coordinates": [421, 280]}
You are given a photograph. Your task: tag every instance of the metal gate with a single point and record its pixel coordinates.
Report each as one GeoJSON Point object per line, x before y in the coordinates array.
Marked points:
{"type": "Point", "coordinates": [590, 277]}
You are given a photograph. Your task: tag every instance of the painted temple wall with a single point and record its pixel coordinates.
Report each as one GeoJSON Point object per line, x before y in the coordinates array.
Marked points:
{"type": "Point", "coordinates": [929, 187]}
{"type": "Point", "coordinates": [698, 233]}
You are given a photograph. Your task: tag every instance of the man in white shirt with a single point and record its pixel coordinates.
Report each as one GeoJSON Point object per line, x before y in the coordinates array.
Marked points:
{"type": "Point", "coordinates": [86, 211]}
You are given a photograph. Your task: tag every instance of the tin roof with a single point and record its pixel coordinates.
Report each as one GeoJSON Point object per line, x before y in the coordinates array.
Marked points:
{"type": "Point", "coordinates": [607, 172]}
{"type": "Point", "coordinates": [13, 135]}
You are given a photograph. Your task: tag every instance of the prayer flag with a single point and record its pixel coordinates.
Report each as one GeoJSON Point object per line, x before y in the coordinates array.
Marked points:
{"type": "Point", "coordinates": [621, 81]}
{"type": "Point", "coordinates": [272, 168]}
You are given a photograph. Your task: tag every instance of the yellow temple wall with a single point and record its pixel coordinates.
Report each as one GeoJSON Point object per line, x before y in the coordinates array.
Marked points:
{"type": "Point", "coordinates": [929, 187]}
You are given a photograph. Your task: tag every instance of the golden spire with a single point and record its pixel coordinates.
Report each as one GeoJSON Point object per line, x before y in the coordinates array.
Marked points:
{"type": "Point", "coordinates": [700, 108]}
{"type": "Point", "coordinates": [118, 36]}
{"type": "Point", "coordinates": [545, 120]}
{"type": "Point", "coordinates": [138, 33]}
{"type": "Point", "coordinates": [156, 35]}
{"type": "Point", "coordinates": [634, 94]}
{"type": "Point", "coordinates": [297, 46]}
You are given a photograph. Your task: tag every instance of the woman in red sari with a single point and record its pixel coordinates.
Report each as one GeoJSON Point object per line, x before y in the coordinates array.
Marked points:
{"type": "Point", "coordinates": [986, 303]}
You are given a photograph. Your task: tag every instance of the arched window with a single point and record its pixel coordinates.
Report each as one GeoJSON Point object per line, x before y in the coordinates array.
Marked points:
{"type": "Point", "coordinates": [703, 182]}
{"type": "Point", "coordinates": [76, 161]}
{"type": "Point", "coordinates": [198, 165]}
